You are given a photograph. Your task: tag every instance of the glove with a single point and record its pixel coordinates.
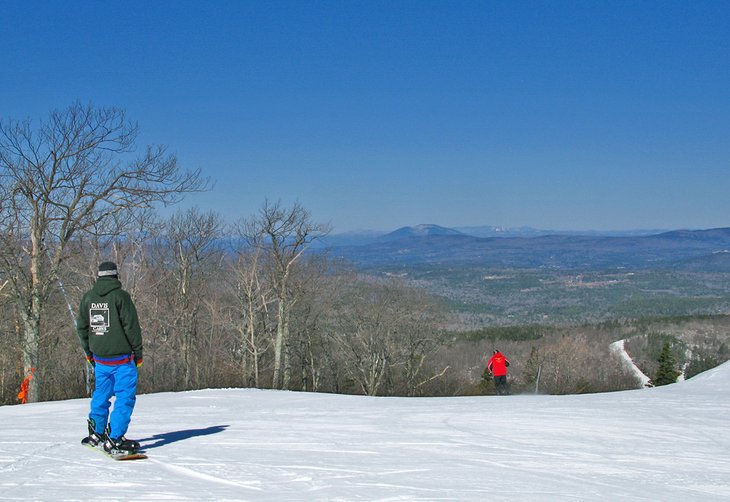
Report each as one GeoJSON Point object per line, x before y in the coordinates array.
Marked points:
{"type": "Point", "coordinates": [138, 361]}
{"type": "Point", "coordinates": [90, 360]}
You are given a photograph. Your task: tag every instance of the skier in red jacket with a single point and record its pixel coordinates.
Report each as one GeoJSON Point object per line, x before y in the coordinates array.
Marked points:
{"type": "Point", "coordinates": [497, 367]}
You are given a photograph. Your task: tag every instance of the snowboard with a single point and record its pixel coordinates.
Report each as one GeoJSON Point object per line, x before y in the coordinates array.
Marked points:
{"type": "Point", "coordinates": [114, 456]}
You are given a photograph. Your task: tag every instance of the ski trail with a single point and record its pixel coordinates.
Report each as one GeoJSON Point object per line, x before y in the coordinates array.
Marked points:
{"type": "Point", "coordinates": [619, 347]}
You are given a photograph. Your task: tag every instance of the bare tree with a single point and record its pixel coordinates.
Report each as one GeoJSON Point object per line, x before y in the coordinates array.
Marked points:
{"type": "Point", "coordinates": [283, 235]}
{"type": "Point", "coordinates": [566, 365]}
{"type": "Point", "coordinates": [190, 236]}
{"type": "Point", "coordinates": [250, 310]}
{"type": "Point", "coordinates": [77, 169]}
{"type": "Point", "coordinates": [363, 327]}
{"type": "Point", "coordinates": [315, 286]}
{"type": "Point", "coordinates": [418, 340]}
{"type": "Point", "coordinates": [387, 331]}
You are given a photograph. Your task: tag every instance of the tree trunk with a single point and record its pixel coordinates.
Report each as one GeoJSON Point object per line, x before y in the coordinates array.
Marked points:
{"type": "Point", "coordinates": [31, 352]}
{"type": "Point", "coordinates": [286, 383]}
{"type": "Point", "coordinates": [278, 344]}
{"type": "Point", "coordinates": [32, 316]}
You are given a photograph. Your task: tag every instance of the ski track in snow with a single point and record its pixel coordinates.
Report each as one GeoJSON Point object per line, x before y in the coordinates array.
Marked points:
{"type": "Point", "coordinates": [667, 443]}
{"type": "Point", "coordinates": [187, 472]}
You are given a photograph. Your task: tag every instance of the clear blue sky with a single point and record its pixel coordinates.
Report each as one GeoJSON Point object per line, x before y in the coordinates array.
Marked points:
{"type": "Point", "coordinates": [573, 115]}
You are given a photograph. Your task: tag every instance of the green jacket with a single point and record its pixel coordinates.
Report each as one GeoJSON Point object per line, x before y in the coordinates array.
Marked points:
{"type": "Point", "coordinates": [107, 323]}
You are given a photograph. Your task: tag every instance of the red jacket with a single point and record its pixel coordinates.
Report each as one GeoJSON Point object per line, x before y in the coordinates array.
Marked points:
{"type": "Point", "coordinates": [497, 365]}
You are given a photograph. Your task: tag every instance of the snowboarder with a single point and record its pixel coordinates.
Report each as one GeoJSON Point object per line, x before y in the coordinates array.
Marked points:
{"type": "Point", "coordinates": [497, 367]}
{"type": "Point", "coordinates": [110, 335]}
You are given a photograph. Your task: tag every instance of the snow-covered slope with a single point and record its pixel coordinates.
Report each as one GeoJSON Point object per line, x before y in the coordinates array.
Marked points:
{"type": "Point", "coordinates": [669, 443]}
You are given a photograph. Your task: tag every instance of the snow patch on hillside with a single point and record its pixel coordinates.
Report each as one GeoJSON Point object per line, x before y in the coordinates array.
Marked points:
{"type": "Point", "coordinates": [619, 348]}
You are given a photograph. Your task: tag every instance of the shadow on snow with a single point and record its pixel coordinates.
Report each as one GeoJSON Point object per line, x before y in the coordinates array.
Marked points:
{"type": "Point", "coordinates": [172, 437]}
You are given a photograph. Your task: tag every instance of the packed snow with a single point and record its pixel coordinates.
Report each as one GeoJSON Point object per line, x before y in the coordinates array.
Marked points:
{"type": "Point", "coordinates": [668, 443]}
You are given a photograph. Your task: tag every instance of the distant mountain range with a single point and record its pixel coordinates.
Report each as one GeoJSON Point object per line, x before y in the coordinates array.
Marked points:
{"type": "Point", "coordinates": [698, 250]}
{"type": "Point", "coordinates": [360, 237]}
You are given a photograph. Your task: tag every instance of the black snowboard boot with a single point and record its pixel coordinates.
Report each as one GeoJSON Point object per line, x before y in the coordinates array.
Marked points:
{"type": "Point", "coordinates": [94, 438]}
{"type": "Point", "coordinates": [120, 444]}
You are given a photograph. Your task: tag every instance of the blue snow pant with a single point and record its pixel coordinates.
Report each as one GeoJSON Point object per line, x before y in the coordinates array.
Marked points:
{"type": "Point", "coordinates": [118, 380]}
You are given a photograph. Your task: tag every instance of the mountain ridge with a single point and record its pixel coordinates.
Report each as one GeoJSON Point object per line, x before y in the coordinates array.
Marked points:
{"type": "Point", "coordinates": [434, 244]}
{"type": "Point", "coordinates": [364, 236]}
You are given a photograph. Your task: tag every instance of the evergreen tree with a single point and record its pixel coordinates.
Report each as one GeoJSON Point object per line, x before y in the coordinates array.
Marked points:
{"type": "Point", "coordinates": [485, 385]}
{"type": "Point", "coordinates": [701, 362]}
{"type": "Point", "coordinates": [667, 372]}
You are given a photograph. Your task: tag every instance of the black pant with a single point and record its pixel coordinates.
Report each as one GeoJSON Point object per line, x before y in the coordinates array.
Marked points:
{"type": "Point", "coordinates": [500, 382]}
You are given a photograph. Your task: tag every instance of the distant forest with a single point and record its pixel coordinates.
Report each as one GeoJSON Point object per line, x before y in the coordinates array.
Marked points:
{"type": "Point", "coordinates": [245, 304]}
